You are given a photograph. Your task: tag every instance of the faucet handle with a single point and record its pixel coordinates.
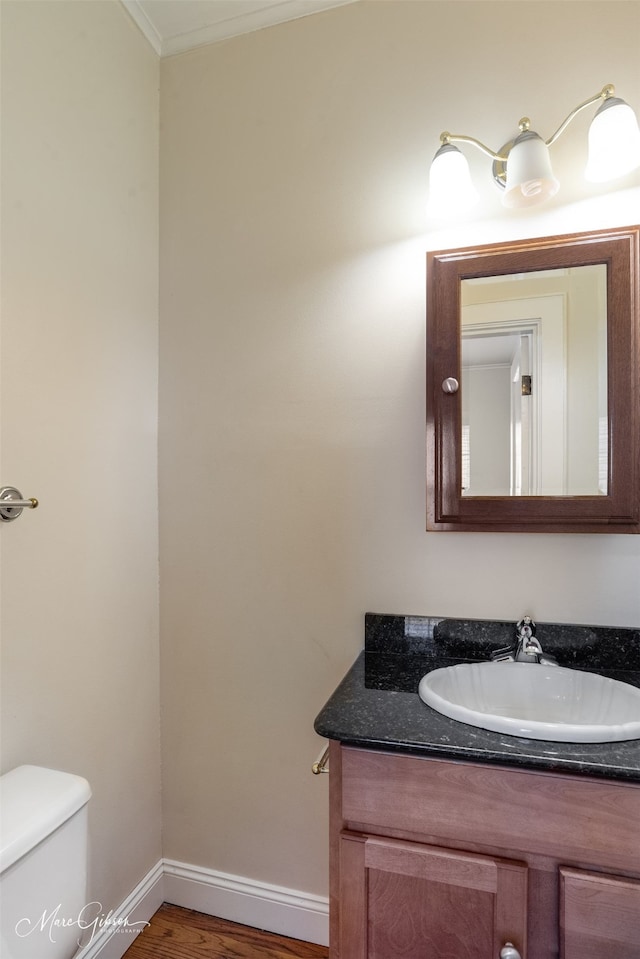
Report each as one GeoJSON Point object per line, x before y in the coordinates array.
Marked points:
{"type": "Point", "coordinates": [525, 628]}
{"type": "Point", "coordinates": [505, 654]}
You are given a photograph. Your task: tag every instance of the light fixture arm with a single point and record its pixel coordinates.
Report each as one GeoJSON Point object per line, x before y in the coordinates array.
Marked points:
{"type": "Point", "coordinates": [447, 137]}
{"type": "Point", "coordinates": [604, 94]}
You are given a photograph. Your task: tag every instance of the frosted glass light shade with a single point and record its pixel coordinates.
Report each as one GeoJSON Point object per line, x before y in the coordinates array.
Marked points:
{"type": "Point", "coordinates": [614, 142]}
{"type": "Point", "coordinates": [530, 179]}
{"type": "Point", "coordinates": [451, 189]}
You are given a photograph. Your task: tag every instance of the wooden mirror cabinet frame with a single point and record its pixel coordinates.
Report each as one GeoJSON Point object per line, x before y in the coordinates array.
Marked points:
{"type": "Point", "coordinates": [619, 510]}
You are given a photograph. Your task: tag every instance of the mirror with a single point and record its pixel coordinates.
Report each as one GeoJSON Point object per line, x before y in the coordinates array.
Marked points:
{"type": "Point", "coordinates": [532, 385]}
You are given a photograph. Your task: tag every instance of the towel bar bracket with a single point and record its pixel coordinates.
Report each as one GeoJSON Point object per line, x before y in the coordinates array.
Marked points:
{"type": "Point", "coordinates": [321, 765]}
{"type": "Point", "coordinates": [12, 503]}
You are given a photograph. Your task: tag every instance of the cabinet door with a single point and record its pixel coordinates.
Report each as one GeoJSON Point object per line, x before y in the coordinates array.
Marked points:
{"type": "Point", "coordinates": [403, 900]}
{"type": "Point", "coordinates": [599, 916]}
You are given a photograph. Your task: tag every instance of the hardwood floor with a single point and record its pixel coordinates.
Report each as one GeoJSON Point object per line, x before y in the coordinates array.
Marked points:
{"type": "Point", "coordinates": [177, 933]}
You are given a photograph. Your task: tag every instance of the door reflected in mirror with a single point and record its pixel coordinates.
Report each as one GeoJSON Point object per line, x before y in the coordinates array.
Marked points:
{"type": "Point", "coordinates": [534, 417]}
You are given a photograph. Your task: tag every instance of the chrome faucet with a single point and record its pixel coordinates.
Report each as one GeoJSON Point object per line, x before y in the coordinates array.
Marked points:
{"type": "Point", "coordinates": [526, 648]}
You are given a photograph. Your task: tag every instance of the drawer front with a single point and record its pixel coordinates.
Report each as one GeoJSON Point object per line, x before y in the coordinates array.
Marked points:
{"type": "Point", "coordinates": [563, 817]}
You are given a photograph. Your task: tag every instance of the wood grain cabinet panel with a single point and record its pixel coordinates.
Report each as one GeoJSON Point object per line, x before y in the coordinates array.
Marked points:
{"type": "Point", "coordinates": [412, 901]}
{"type": "Point", "coordinates": [515, 809]}
{"type": "Point", "coordinates": [599, 916]}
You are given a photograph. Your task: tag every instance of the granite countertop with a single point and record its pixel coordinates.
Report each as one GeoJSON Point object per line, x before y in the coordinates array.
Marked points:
{"type": "Point", "coordinates": [376, 705]}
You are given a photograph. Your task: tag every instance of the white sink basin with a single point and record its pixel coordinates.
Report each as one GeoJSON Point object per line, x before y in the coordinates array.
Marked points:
{"type": "Point", "coordinates": [535, 701]}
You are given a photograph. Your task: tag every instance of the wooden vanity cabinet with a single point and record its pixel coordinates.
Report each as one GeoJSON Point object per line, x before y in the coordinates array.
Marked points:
{"type": "Point", "coordinates": [432, 859]}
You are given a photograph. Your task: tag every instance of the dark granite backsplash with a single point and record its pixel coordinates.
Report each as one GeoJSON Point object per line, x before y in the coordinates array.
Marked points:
{"type": "Point", "coordinates": [588, 647]}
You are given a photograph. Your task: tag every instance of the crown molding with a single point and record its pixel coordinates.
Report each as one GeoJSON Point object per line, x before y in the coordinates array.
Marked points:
{"type": "Point", "coordinates": [141, 20]}
{"type": "Point", "coordinates": [237, 25]}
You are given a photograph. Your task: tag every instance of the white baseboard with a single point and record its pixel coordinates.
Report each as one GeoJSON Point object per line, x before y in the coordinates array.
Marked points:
{"type": "Point", "coordinates": [114, 931]}
{"type": "Point", "coordinates": [261, 905]}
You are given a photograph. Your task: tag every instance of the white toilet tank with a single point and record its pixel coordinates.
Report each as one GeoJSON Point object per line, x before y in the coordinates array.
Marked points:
{"type": "Point", "coordinates": [43, 862]}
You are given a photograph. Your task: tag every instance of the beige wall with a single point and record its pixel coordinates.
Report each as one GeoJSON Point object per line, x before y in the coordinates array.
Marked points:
{"type": "Point", "coordinates": [293, 185]}
{"type": "Point", "coordinates": [292, 394]}
{"type": "Point", "coordinates": [79, 414]}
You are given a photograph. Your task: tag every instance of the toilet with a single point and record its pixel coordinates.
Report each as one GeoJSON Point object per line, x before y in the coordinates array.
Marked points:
{"type": "Point", "coordinates": [43, 862]}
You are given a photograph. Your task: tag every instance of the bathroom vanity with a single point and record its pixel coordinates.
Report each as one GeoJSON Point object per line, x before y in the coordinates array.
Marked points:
{"type": "Point", "coordinates": [453, 841]}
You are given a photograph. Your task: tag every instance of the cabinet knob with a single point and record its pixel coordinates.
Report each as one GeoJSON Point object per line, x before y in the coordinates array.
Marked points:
{"type": "Point", "coordinates": [509, 951]}
{"type": "Point", "coordinates": [450, 385]}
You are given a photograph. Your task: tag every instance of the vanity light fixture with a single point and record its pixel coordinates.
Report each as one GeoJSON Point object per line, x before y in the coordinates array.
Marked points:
{"type": "Point", "coordinates": [522, 167]}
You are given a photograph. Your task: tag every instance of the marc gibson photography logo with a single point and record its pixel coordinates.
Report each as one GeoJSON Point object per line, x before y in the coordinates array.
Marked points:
{"type": "Point", "coordinates": [90, 920]}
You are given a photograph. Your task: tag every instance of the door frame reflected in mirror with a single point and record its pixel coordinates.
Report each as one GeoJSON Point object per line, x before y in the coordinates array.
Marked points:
{"type": "Point", "coordinates": [546, 434]}
{"type": "Point", "coordinates": [619, 510]}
